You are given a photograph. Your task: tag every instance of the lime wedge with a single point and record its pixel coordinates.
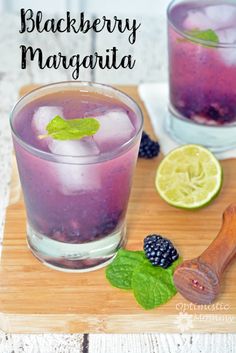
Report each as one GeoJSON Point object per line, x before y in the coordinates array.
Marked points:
{"type": "Point", "coordinates": [189, 177]}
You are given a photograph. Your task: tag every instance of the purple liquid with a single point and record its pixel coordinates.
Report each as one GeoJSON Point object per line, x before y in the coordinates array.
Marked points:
{"type": "Point", "coordinates": [71, 203]}
{"type": "Point", "coordinates": [203, 78]}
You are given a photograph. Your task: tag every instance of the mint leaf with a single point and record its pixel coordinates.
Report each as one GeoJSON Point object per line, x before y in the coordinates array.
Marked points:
{"type": "Point", "coordinates": [119, 273]}
{"type": "Point", "coordinates": [74, 129]}
{"type": "Point", "coordinates": [207, 35]}
{"type": "Point", "coordinates": [152, 286]}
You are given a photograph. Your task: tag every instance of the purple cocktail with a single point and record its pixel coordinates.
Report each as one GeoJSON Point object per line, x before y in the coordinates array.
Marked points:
{"type": "Point", "coordinates": [76, 191]}
{"type": "Point", "coordinates": [202, 72]}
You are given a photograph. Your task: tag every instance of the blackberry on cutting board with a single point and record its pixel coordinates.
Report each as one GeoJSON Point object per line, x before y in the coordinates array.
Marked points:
{"type": "Point", "coordinates": [159, 251]}
{"type": "Point", "coordinates": [148, 148]}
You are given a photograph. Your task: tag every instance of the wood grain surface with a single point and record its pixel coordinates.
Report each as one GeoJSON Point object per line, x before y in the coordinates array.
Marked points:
{"type": "Point", "coordinates": [35, 298]}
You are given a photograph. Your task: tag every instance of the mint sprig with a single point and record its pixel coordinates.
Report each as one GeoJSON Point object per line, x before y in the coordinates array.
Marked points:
{"type": "Point", "coordinates": [152, 286]}
{"type": "Point", "coordinates": [207, 35]}
{"type": "Point", "coordinates": [73, 129]}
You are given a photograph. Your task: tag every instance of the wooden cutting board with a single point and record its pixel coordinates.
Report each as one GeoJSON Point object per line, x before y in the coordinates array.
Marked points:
{"type": "Point", "coordinates": [34, 298]}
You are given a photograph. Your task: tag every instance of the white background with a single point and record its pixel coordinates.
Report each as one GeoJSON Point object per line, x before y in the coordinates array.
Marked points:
{"type": "Point", "coordinates": [136, 7]}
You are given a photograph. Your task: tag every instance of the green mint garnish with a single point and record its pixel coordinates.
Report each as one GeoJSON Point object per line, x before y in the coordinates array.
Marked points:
{"type": "Point", "coordinates": [152, 286]}
{"type": "Point", "coordinates": [207, 35]}
{"type": "Point", "coordinates": [119, 272]}
{"type": "Point", "coordinates": [74, 129]}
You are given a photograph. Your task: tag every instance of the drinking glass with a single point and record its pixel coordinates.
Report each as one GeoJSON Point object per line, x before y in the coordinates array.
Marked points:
{"type": "Point", "coordinates": [202, 72]}
{"type": "Point", "coordinates": [75, 194]}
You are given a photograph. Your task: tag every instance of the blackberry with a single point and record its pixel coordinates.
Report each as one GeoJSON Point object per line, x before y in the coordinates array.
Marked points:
{"type": "Point", "coordinates": [108, 224]}
{"type": "Point", "coordinates": [213, 113]}
{"type": "Point", "coordinates": [148, 148]}
{"type": "Point", "coordinates": [159, 251]}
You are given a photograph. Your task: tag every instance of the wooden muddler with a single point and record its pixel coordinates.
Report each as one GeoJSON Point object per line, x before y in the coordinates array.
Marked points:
{"type": "Point", "coordinates": [198, 280]}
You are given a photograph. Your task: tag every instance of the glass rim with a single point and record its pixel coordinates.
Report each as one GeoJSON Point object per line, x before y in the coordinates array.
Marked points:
{"type": "Point", "coordinates": [194, 39]}
{"type": "Point", "coordinates": [72, 159]}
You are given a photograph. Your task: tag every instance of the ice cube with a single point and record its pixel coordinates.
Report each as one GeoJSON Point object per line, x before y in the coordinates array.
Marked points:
{"type": "Point", "coordinates": [115, 129]}
{"type": "Point", "coordinates": [42, 116]}
{"type": "Point", "coordinates": [197, 20]}
{"type": "Point", "coordinates": [74, 178]}
{"type": "Point", "coordinates": [228, 54]}
{"type": "Point", "coordinates": [221, 15]}
{"type": "Point", "coordinates": [71, 176]}
{"type": "Point", "coordinates": [227, 35]}
{"type": "Point", "coordinates": [83, 147]}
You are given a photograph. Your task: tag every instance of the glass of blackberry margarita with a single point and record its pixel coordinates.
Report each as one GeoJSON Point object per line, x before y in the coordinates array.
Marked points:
{"type": "Point", "coordinates": [76, 191]}
{"type": "Point", "coordinates": [202, 72]}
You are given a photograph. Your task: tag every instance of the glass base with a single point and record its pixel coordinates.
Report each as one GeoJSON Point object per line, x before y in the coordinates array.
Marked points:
{"type": "Point", "coordinates": [69, 257]}
{"type": "Point", "coordinates": [215, 138]}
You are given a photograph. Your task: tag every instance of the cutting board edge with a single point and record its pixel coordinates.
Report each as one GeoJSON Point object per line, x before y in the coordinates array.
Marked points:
{"type": "Point", "coordinates": [74, 323]}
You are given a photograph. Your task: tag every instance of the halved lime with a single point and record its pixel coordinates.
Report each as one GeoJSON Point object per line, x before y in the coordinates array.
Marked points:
{"type": "Point", "coordinates": [189, 177]}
